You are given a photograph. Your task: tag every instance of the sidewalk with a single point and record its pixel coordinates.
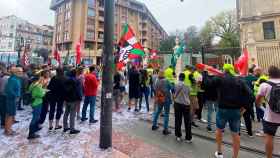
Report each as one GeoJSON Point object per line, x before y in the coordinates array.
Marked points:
{"type": "Point", "coordinates": [83, 145]}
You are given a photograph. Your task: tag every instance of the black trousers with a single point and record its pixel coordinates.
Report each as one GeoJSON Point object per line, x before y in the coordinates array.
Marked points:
{"type": "Point", "coordinates": [56, 107]}
{"type": "Point", "coordinates": [2, 109]}
{"type": "Point", "coordinates": [248, 122]}
{"type": "Point", "coordinates": [201, 101]}
{"type": "Point", "coordinates": [180, 112]}
{"type": "Point", "coordinates": [44, 110]}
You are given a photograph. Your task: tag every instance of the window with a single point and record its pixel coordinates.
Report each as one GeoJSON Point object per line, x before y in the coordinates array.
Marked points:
{"type": "Point", "coordinates": [268, 30]}
{"type": "Point", "coordinates": [67, 15]}
{"type": "Point", "coordinates": [66, 35]}
{"type": "Point", "coordinates": [68, 6]}
{"type": "Point", "coordinates": [91, 12]}
{"type": "Point", "coordinates": [90, 35]}
{"type": "Point", "coordinates": [91, 3]}
{"type": "Point", "coordinates": [10, 45]}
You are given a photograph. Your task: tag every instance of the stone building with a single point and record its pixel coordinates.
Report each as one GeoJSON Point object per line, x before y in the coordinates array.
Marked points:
{"type": "Point", "coordinates": [260, 30]}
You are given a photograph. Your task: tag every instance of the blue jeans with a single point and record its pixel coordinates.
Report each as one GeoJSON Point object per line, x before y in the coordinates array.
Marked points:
{"type": "Point", "coordinates": [166, 115]}
{"type": "Point", "coordinates": [260, 113]}
{"type": "Point", "coordinates": [146, 92]}
{"type": "Point", "coordinates": [36, 112]}
{"type": "Point", "coordinates": [89, 100]}
{"type": "Point", "coordinates": [231, 116]}
{"type": "Point", "coordinates": [212, 106]}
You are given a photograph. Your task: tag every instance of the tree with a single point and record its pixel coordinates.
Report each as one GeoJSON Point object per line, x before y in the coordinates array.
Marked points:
{"type": "Point", "coordinates": [206, 34]}
{"type": "Point", "coordinates": [192, 38]}
{"type": "Point", "coordinates": [225, 26]}
{"type": "Point", "coordinates": [167, 45]}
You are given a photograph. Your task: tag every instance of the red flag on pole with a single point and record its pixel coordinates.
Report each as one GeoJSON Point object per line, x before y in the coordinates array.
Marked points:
{"type": "Point", "coordinates": [25, 58]}
{"type": "Point", "coordinates": [78, 51]}
{"type": "Point", "coordinates": [57, 56]}
{"type": "Point", "coordinates": [242, 63]}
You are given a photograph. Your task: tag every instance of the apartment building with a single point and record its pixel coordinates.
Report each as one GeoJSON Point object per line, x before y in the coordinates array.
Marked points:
{"type": "Point", "coordinates": [260, 30]}
{"type": "Point", "coordinates": [15, 31]}
{"type": "Point", "coordinates": [84, 19]}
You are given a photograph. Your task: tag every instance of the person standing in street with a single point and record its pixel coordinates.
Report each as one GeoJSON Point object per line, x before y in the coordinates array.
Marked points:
{"type": "Point", "coordinates": [270, 91]}
{"type": "Point", "coordinates": [134, 88]}
{"type": "Point", "coordinates": [3, 81]}
{"type": "Point", "coordinates": [117, 91]}
{"type": "Point", "coordinates": [12, 91]}
{"type": "Point", "coordinates": [211, 97]}
{"type": "Point", "coordinates": [46, 99]}
{"type": "Point", "coordinates": [90, 92]}
{"type": "Point", "coordinates": [182, 109]}
{"type": "Point", "coordinates": [56, 96]}
{"type": "Point", "coordinates": [72, 96]}
{"type": "Point", "coordinates": [163, 100]}
{"type": "Point", "coordinates": [80, 79]}
{"type": "Point", "coordinates": [144, 89]}
{"type": "Point", "coordinates": [37, 92]}
{"type": "Point", "coordinates": [231, 91]}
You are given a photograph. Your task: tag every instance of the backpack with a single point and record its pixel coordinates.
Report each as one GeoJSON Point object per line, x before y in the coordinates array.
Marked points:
{"type": "Point", "coordinates": [160, 97]}
{"type": "Point", "coordinates": [274, 100]}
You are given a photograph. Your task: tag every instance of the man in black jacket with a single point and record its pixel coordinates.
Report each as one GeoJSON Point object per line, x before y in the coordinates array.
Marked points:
{"type": "Point", "coordinates": [233, 96]}
{"type": "Point", "coordinates": [71, 98]}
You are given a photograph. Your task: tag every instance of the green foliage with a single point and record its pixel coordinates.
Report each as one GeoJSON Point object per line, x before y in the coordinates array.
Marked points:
{"type": "Point", "coordinates": [206, 34]}
{"type": "Point", "coordinates": [192, 38]}
{"type": "Point", "coordinates": [167, 45]}
{"type": "Point", "coordinates": [225, 26]}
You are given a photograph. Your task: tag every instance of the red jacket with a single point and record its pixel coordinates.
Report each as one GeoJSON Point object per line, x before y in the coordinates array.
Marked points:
{"type": "Point", "coordinates": [90, 85]}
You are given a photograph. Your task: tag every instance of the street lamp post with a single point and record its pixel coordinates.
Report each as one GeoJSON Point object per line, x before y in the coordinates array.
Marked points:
{"type": "Point", "coordinates": [107, 77]}
{"type": "Point", "coordinates": [20, 44]}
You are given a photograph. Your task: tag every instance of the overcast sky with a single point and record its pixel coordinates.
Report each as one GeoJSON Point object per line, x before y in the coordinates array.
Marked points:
{"type": "Point", "coordinates": [171, 14]}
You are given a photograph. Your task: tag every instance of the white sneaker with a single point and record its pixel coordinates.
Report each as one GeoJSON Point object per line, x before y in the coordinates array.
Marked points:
{"type": "Point", "coordinates": [218, 156]}
{"type": "Point", "coordinates": [178, 139]}
{"type": "Point", "coordinates": [260, 133]}
{"type": "Point", "coordinates": [203, 120]}
{"type": "Point", "coordinates": [188, 141]}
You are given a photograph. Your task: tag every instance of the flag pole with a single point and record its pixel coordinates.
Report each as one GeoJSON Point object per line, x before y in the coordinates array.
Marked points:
{"type": "Point", "coordinates": [107, 77]}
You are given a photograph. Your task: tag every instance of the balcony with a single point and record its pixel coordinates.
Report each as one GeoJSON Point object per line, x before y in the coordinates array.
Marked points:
{"type": "Point", "coordinates": [101, 8]}
{"type": "Point", "coordinates": [101, 18]}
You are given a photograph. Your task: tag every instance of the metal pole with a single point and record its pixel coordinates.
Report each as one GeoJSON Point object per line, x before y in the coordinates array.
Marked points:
{"type": "Point", "coordinates": [203, 54]}
{"type": "Point", "coordinates": [107, 77]}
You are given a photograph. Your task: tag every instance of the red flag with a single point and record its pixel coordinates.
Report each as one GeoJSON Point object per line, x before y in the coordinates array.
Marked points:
{"type": "Point", "coordinates": [154, 54]}
{"type": "Point", "coordinates": [78, 51]}
{"type": "Point", "coordinates": [209, 69]}
{"type": "Point", "coordinates": [25, 58]}
{"type": "Point", "coordinates": [242, 63]}
{"type": "Point", "coordinates": [57, 56]}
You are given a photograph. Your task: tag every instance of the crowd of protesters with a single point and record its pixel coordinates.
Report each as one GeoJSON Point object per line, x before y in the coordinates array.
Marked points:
{"type": "Point", "coordinates": [231, 96]}
{"type": "Point", "coordinates": [61, 91]}
{"type": "Point", "coordinates": [57, 92]}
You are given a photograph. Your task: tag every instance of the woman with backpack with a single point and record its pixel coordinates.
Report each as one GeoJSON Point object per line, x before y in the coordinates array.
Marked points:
{"type": "Point", "coordinates": [182, 109]}
{"type": "Point", "coordinates": [163, 100]}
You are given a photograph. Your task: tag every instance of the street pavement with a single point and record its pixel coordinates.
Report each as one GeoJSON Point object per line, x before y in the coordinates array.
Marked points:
{"type": "Point", "coordinates": [199, 148]}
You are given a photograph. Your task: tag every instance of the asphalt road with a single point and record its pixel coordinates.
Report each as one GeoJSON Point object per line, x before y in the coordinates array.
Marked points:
{"type": "Point", "coordinates": [200, 148]}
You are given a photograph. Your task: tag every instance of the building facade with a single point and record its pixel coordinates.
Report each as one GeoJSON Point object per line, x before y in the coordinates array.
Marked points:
{"type": "Point", "coordinates": [77, 20]}
{"type": "Point", "coordinates": [260, 30]}
{"type": "Point", "coordinates": [17, 34]}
